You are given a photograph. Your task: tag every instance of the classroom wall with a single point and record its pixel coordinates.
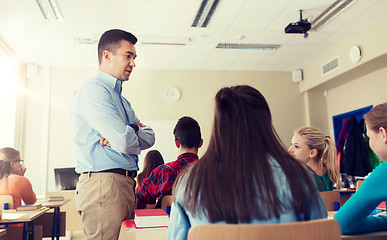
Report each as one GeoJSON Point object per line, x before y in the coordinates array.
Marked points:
{"type": "Point", "coordinates": [373, 45]}
{"type": "Point", "coordinates": [48, 130]}
{"type": "Point", "coordinates": [369, 89]}
{"type": "Point", "coordinates": [145, 90]}
{"type": "Point", "coordinates": [352, 85]}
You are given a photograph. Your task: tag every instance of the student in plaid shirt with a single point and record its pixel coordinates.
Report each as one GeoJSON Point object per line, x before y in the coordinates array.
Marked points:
{"type": "Point", "coordinates": [188, 140]}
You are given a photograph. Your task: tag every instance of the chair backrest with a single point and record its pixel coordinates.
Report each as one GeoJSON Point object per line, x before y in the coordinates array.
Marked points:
{"type": "Point", "coordinates": [330, 197]}
{"type": "Point", "coordinates": [358, 184]}
{"type": "Point", "coordinates": [6, 199]}
{"type": "Point", "coordinates": [166, 201]}
{"type": "Point", "coordinates": [321, 229]}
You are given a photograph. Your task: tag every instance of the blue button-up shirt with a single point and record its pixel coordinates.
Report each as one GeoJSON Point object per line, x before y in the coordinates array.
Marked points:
{"type": "Point", "coordinates": [99, 109]}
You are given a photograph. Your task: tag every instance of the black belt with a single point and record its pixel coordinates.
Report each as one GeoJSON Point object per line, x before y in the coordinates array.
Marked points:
{"type": "Point", "coordinates": [121, 171]}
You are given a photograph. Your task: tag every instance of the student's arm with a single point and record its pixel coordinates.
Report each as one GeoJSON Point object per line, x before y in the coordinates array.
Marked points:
{"type": "Point", "coordinates": [179, 223]}
{"type": "Point", "coordinates": [354, 215]}
{"type": "Point", "coordinates": [27, 194]}
{"type": "Point", "coordinates": [151, 189]}
{"type": "Point", "coordinates": [319, 210]}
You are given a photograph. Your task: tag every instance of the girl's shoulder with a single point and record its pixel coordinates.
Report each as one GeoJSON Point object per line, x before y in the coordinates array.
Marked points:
{"type": "Point", "coordinates": [17, 179]}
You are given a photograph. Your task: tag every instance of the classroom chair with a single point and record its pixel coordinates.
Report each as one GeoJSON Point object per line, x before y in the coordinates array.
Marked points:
{"type": "Point", "coordinates": [358, 184]}
{"type": "Point", "coordinates": [330, 197]}
{"type": "Point", "coordinates": [166, 201]}
{"type": "Point", "coordinates": [321, 229]}
{"type": "Point", "coordinates": [6, 199]}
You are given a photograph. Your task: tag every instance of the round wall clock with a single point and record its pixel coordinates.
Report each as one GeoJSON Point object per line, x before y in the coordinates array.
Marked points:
{"type": "Point", "coordinates": [172, 94]}
{"type": "Point", "coordinates": [355, 54]}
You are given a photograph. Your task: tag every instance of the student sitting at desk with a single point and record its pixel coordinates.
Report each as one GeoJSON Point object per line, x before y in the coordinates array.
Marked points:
{"type": "Point", "coordinates": [12, 180]}
{"type": "Point", "coordinates": [152, 160]}
{"type": "Point", "coordinates": [311, 147]}
{"type": "Point", "coordinates": [354, 216]}
{"type": "Point", "coordinates": [246, 174]}
{"type": "Point", "coordinates": [188, 140]}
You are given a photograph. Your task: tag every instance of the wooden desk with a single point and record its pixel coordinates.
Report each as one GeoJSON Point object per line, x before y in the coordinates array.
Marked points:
{"type": "Point", "coordinates": [143, 234]}
{"type": "Point", "coordinates": [345, 194]}
{"type": "Point", "coordinates": [73, 219]}
{"type": "Point", "coordinates": [13, 217]}
{"type": "Point", "coordinates": [56, 216]}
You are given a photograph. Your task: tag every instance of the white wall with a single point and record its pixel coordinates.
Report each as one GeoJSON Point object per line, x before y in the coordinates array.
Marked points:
{"type": "Point", "coordinates": [145, 91]}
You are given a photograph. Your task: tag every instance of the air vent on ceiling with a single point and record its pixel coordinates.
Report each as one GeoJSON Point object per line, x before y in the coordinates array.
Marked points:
{"type": "Point", "coordinates": [163, 40]}
{"type": "Point", "coordinates": [330, 66]}
{"type": "Point", "coordinates": [248, 46]}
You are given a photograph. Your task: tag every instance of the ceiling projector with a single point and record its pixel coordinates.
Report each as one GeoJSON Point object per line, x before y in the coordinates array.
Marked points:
{"type": "Point", "coordinates": [302, 26]}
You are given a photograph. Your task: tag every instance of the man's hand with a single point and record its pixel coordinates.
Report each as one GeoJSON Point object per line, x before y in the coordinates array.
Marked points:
{"type": "Point", "coordinates": [139, 123]}
{"type": "Point", "coordinates": [104, 142]}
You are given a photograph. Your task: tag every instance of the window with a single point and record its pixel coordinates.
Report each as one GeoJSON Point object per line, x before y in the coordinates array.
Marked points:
{"type": "Point", "coordinates": [10, 73]}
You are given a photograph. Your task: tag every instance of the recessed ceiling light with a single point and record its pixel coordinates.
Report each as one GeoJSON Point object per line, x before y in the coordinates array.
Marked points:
{"type": "Point", "coordinates": [50, 10]}
{"type": "Point", "coordinates": [205, 13]}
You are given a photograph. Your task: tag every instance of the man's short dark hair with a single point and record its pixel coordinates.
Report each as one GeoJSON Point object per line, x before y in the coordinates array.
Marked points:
{"type": "Point", "coordinates": [110, 40]}
{"type": "Point", "coordinates": [187, 131]}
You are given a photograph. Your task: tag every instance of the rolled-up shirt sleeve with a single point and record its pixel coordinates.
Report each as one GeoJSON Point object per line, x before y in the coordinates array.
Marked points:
{"type": "Point", "coordinates": [99, 109]}
{"type": "Point", "coordinates": [146, 137]}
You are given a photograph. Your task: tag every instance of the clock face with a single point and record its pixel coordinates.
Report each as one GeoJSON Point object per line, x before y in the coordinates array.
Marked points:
{"type": "Point", "coordinates": [172, 94]}
{"type": "Point", "coordinates": [355, 54]}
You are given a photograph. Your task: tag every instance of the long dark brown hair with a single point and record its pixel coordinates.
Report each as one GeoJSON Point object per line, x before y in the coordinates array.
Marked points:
{"type": "Point", "coordinates": [235, 171]}
{"type": "Point", "coordinates": [152, 160]}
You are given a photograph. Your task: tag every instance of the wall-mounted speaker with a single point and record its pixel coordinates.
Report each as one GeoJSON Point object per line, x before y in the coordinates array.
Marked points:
{"type": "Point", "coordinates": [297, 75]}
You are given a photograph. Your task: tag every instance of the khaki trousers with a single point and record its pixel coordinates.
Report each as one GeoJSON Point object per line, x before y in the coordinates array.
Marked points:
{"type": "Point", "coordinates": [104, 200]}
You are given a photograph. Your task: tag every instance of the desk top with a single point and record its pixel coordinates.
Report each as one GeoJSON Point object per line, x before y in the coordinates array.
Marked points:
{"type": "Point", "coordinates": [11, 216]}
{"type": "Point", "coordinates": [3, 232]}
{"type": "Point", "coordinates": [347, 190]}
{"type": "Point", "coordinates": [52, 204]}
{"type": "Point", "coordinates": [143, 234]}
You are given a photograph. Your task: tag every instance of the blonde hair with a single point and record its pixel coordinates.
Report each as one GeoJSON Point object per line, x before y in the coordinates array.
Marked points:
{"type": "Point", "coordinates": [326, 151]}
{"type": "Point", "coordinates": [7, 155]}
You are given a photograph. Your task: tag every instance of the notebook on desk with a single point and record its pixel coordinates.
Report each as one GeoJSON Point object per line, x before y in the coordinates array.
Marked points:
{"type": "Point", "coordinates": [131, 225]}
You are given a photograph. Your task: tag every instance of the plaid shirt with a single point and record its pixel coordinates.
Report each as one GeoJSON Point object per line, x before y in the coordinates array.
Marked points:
{"type": "Point", "coordinates": [160, 181]}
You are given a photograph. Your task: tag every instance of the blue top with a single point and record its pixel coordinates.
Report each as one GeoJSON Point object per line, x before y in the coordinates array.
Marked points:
{"type": "Point", "coordinates": [181, 219]}
{"type": "Point", "coordinates": [354, 216]}
{"type": "Point", "coordinates": [99, 109]}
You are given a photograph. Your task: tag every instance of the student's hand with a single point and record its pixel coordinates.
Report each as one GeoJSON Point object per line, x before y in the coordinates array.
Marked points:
{"type": "Point", "coordinates": [22, 170]}
{"type": "Point", "coordinates": [104, 142]}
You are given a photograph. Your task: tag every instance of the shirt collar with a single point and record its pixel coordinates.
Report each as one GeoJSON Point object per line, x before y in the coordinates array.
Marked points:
{"type": "Point", "coordinates": [188, 156]}
{"type": "Point", "coordinates": [110, 81]}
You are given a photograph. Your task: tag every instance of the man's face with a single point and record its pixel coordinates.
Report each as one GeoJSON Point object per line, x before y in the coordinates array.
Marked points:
{"type": "Point", "coordinates": [121, 63]}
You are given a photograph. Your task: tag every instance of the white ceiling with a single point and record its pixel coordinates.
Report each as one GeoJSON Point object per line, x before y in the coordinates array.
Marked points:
{"type": "Point", "coordinates": [43, 42]}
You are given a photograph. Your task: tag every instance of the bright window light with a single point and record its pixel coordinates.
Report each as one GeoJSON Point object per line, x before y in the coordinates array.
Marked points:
{"type": "Point", "coordinates": [8, 96]}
